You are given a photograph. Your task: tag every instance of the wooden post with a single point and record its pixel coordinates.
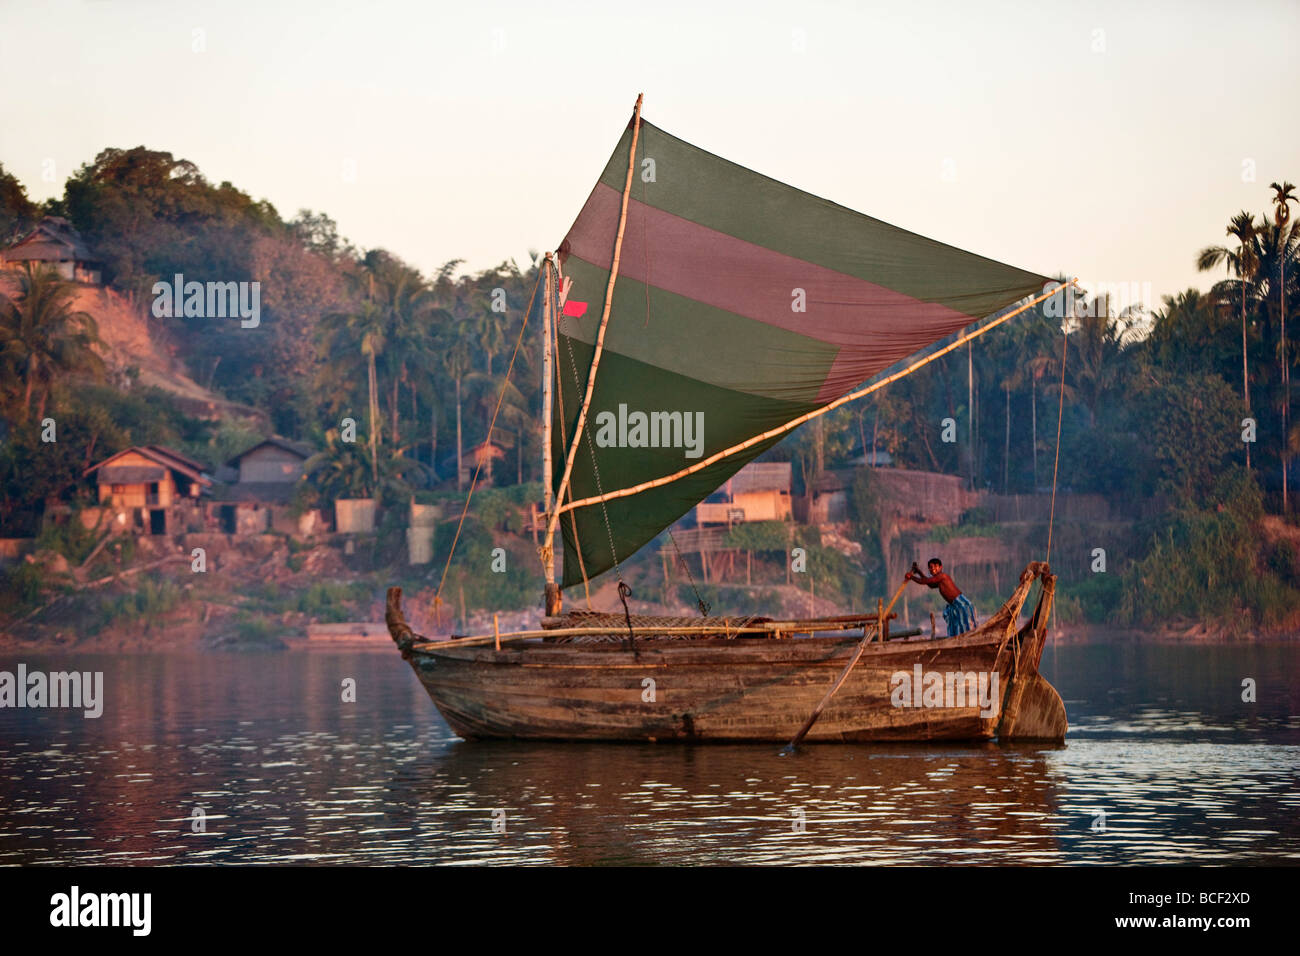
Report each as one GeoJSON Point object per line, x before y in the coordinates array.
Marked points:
{"type": "Point", "coordinates": [931, 625]}
{"type": "Point", "coordinates": [496, 631]}
{"type": "Point", "coordinates": [880, 618]}
{"type": "Point", "coordinates": [551, 598]}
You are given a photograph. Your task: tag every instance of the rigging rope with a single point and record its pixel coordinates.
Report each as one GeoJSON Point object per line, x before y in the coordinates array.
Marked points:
{"type": "Point", "coordinates": [505, 383]}
{"type": "Point", "coordinates": [625, 592]}
{"type": "Point", "coordinates": [564, 438]}
{"type": "Point", "coordinates": [595, 470]}
{"type": "Point", "coordinates": [704, 608]}
{"type": "Point", "coordinates": [1060, 408]}
{"type": "Point", "coordinates": [822, 410]}
{"type": "Point", "coordinates": [579, 428]}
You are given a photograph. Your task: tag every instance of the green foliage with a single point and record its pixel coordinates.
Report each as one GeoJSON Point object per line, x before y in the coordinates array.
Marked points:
{"type": "Point", "coordinates": [43, 341]}
{"type": "Point", "coordinates": [500, 508]}
{"type": "Point", "coordinates": [1206, 564]}
{"type": "Point", "coordinates": [150, 598]}
{"type": "Point", "coordinates": [471, 568]}
{"type": "Point", "coordinates": [70, 538]}
{"type": "Point", "coordinates": [864, 508]}
{"type": "Point", "coordinates": [947, 532]}
{"type": "Point", "coordinates": [17, 213]}
{"type": "Point", "coordinates": [148, 214]}
{"type": "Point", "coordinates": [331, 602]}
{"type": "Point", "coordinates": [149, 416]}
{"type": "Point", "coordinates": [347, 470]}
{"type": "Point", "coordinates": [20, 586]}
{"type": "Point", "coordinates": [807, 536]}
{"type": "Point", "coordinates": [759, 536]}
{"type": "Point", "coordinates": [1283, 561]}
{"type": "Point", "coordinates": [1091, 599]}
{"type": "Point", "coordinates": [254, 628]}
{"type": "Point", "coordinates": [124, 549]}
{"type": "Point", "coordinates": [32, 471]}
{"type": "Point", "coordinates": [1193, 425]}
{"type": "Point", "coordinates": [837, 576]}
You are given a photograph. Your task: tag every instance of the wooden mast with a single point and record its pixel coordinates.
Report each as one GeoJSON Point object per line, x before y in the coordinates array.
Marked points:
{"type": "Point", "coordinates": [552, 595]}
{"type": "Point", "coordinates": [600, 332]}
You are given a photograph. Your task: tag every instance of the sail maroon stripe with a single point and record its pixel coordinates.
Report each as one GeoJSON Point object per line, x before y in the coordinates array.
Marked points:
{"type": "Point", "coordinates": [723, 271]}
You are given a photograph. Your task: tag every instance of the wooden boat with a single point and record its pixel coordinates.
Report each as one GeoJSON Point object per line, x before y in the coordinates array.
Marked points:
{"type": "Point", "coordinates": [749, 307]}
{"type": "Point", "coordinates": [717, 686]}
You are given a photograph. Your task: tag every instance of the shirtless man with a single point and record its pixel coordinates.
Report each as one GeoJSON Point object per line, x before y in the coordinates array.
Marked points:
{"type": "Point", "coordinates": [959, 615]}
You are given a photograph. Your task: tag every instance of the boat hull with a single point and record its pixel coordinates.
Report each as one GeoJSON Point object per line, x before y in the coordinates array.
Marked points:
{"type": "Point", "coordinates": [977, 686]}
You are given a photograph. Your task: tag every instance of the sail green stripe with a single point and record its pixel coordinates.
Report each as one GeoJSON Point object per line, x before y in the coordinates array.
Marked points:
{"type": "Point", "coordinates": [729, 417]}
{"type": "Point", "coordinates": [714, 192]}
{"type": "Point", "coordinates": [687, 337]}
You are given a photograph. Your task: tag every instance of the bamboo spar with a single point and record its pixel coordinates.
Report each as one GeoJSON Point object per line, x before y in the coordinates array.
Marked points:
{"type": "Point", "coordinates": [795, 423]}
{"type": "Point", "coordinates": [600, 334]}
{"type": "Point", "coordinates": [546, 550]}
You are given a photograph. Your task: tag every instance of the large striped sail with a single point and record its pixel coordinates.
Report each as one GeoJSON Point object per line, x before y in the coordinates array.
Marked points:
{"type": "Point", "coordinates": [740, 304]}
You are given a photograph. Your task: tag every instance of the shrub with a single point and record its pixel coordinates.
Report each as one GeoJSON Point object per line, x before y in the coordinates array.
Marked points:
{"type": "Point", "coordinates": [69, 538]}
{"type": "Point", "coordinates": [20, 585]}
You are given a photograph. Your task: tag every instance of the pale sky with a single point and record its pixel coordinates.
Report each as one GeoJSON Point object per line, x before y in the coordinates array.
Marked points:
{"type": "Point", "coordinates": [1105, 140]}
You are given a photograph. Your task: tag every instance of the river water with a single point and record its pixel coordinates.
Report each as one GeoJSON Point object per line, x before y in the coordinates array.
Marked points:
{"type": "Point", "coordinates": [256, 758]}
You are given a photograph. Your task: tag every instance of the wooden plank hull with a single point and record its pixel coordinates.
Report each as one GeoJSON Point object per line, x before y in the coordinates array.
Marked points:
{"type": "Point", "coordinates": [749, 689]}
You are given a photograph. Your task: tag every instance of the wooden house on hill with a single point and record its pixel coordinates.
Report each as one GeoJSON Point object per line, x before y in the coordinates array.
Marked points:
{"type": "Point", "coordinates": [56, 245]}
{"type": "Point", "coordinates": [259, 485]}
{"type": "Point", "coordinates": [484, 453]}
{"type": "Point", "coordinates": [760, 491]}
{"type": "Point", "coordinates": [155, 489]}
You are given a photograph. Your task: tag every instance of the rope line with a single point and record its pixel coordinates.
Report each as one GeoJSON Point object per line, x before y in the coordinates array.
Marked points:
{"type": "Point", "coordinates": [1060, 409]}
{"type": "Point", "coordinates": [595, 471]}
{"type": "Point", "coordinates": [564, 437]}
{"type": "Point", "coordinates": [699, 599]}
{"type": "Point", "coordinates": [437, 597]}
{"type": "Point", "coordinates": [822, 410]}
{"type": "Point", "coordinates": [579, 428]}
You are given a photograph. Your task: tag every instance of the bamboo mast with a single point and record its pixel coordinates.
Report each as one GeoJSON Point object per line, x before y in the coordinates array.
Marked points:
{"type": "Point", "coordinates": [795, 423]}
{"type": "Point", "coordinates": [604, 323]}
{"type": "Point", "coordinates": [551, 601]}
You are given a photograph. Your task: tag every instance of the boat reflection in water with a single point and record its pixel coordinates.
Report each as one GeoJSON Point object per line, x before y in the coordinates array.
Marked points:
{"type": "Point", "coordinates": [286, 771]}
{"type": "Point", "coordinates": [647, 804]}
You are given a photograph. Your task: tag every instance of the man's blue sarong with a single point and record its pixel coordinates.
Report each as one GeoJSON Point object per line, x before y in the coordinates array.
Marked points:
{"type": "Point", "coordinates": [959, 616]}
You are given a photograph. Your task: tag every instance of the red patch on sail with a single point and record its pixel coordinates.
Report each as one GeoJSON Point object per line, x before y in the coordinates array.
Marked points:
{"type": "Point", "coordinates": [575, 309]}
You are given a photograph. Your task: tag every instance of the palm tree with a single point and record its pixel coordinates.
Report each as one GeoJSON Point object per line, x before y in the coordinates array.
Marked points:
{"type": "Point", "coordinates": [356, 334]}
{"type": "Point", "coordinates": [489, 330]}
{"type": "Point", "coordinates": [1244, 263]}
{"type": "Point", "coordinates": [42, 337]}
{"type": "Point", "coordinates": [348, 470]}
{"type": "Point", "coordinates": [1044, 365]}
{"type": "Point", "coordinates": [1283, 196]}
{"type": "Point", "coordinates": [408, 337]}
{"type": "Point", "coordinates": [485, 391]}
{"type": "Point", "coordinates": [1096, 353]}
{"type": "Point", "coordinates": [456, 356]}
